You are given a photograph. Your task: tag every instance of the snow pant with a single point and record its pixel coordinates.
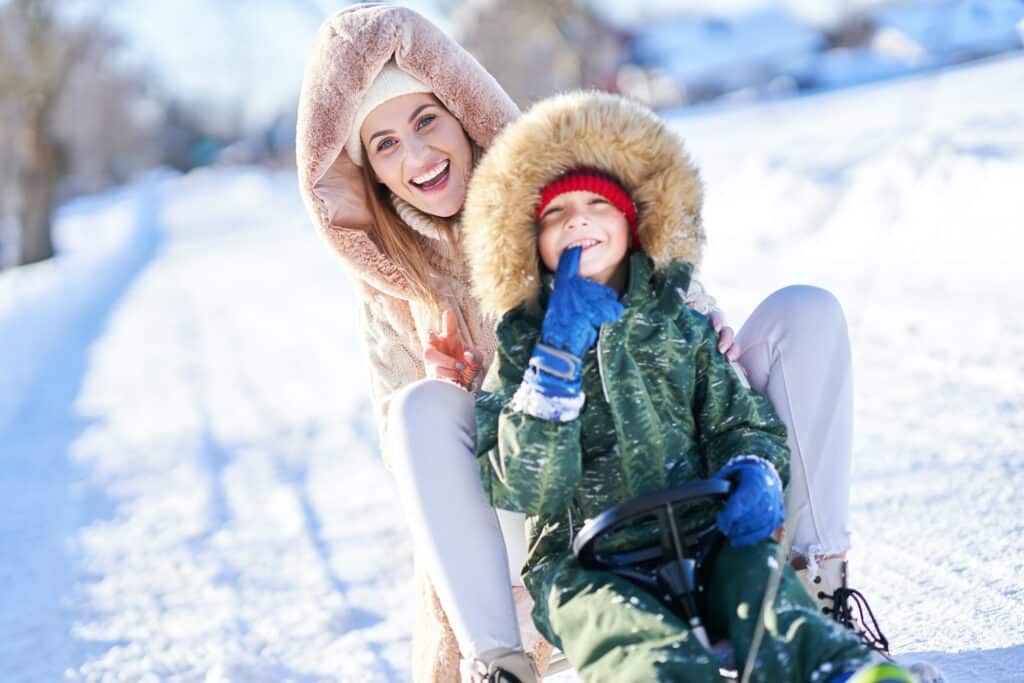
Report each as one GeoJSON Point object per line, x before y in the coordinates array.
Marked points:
{"type": "Point", "coordinates": [611, 630]}
{"type": "Point", "coordinates": [795, 350]}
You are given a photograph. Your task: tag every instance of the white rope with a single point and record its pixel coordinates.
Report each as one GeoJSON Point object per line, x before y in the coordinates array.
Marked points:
{"type": "Point", "coordinates": [771, 590]}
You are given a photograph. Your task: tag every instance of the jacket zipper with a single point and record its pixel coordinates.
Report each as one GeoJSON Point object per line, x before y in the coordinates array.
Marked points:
{"type": "Point", "coordinates": [600, 367]}
{"type": "Point", "coordinates": [604, 390]}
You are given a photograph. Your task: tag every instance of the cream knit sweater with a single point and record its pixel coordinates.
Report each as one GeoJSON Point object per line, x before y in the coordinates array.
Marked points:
{"type": "Point", "coordinates": [386, 342]}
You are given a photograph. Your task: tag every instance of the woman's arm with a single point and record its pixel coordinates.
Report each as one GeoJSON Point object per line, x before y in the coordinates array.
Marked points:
{"type": "Point", "coordinates": [697, 298]}
{"type": "Point", "coordinates": [393, 365]}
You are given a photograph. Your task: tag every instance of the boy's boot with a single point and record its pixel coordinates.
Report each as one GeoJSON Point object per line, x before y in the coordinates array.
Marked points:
{"type": "Point", "coordinates": [500, 665]}
{"type": "Point", "coordinates": [926, 673]}
{"type": "Point", "coordinates": [875, 673]}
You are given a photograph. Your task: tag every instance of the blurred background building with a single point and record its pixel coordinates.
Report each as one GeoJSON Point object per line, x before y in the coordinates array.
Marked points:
{"type": "Point", "coordinates": [94, 93]}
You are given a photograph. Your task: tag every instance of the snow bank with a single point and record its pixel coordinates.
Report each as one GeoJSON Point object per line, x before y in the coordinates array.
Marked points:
{"type": "Point", "coordinates": [725, 53]}
{"type": "Point", "coordinates": [950, 30]}
{"type": "Point", "coordinates": [101, 242]}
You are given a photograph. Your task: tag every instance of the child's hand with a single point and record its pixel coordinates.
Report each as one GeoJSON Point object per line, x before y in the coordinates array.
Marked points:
{"type": "Point", "coordinates": [727, 343]}
{"type": "Point", "coordinates": [577, 307]}
{"type": "Point", "coordinates": [552, 387]}
{"type": "Point", "coordinates": [754, 509]}
{"type": "Point", "coordinates": [446, 356]}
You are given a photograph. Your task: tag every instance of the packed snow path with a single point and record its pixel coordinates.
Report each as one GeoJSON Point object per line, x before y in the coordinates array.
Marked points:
{"type": "Point", "coordinates": [191, 490]}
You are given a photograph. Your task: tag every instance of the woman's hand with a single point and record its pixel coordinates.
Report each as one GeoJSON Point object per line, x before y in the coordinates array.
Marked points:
{"type": "Point", "coordinates": [727, 344]}
{"type": "Point", "coordinates": [446, 356]}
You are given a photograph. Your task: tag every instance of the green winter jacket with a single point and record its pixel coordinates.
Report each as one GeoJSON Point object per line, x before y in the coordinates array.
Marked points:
{"type": "Point", "coordinates": [663, 407]}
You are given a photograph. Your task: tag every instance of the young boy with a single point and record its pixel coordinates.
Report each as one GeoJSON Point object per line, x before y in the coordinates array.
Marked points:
{"type": "Point", "coordinates": [582, 223]}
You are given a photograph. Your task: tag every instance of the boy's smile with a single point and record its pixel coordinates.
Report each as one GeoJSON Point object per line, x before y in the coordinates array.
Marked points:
{"type": "Point", "coordinates": [589, 220]}
{"type": "Point", "coordinates": [585, 243]}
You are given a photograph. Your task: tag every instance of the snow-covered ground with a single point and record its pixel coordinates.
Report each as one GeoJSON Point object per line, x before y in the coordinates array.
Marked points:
{"type": "Point", "coordinates": [189, 481]}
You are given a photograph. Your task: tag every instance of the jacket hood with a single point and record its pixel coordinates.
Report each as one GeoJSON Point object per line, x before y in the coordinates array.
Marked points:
{"type": "Point", "coordinates": [349, 51]}
{"type": "Point", "coordinates": [576, 129]}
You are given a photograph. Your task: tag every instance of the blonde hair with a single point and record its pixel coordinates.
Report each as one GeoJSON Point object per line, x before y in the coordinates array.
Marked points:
{"type": "Point", "coordinates": [403, 245]}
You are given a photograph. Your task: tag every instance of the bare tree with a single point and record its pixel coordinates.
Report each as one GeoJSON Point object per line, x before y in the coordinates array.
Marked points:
{"type": "Point", "coordinates": [36, 56]}
{"type": "Point", "coordinates": [108, 120]}
{"type": "Point", "coordinates": [9, 204]}
{"type": "Point", "coordinates": [537, 47]}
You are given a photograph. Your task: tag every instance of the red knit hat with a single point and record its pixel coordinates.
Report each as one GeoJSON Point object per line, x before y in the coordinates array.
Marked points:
{"type": "Point", "coordinates": [598, 182]}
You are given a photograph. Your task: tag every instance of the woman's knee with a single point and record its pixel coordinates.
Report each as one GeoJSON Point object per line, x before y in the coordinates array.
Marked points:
{"type": "Point", "coordinates": [808, 307]}
{"type": "Point", "coordinates": [426, 400]}
{"type": "Point", "coordinates": [423, 413]}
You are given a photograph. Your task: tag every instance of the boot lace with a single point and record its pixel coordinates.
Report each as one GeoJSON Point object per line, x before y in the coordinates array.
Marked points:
{"type": "Point", "coordinates": [481, 673]}
{"type": "Point", "coordinates": [851, 609]}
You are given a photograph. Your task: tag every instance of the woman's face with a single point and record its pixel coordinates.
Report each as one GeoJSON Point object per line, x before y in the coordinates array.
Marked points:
{"type": "Point", "coordinates": [420, 152]}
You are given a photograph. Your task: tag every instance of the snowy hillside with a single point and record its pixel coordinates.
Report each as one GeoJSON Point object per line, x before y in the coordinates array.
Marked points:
{"type": "Point", "coordinates": [189, 482]}
{"type": "Point", "coordinates": [722, 54]}
{"type": "Point", "coordinates": [948, 29]}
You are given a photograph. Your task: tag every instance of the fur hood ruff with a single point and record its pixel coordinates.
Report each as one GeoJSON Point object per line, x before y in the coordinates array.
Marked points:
{"type": "Point", "coordinates": [564, 132]}
{"type": "Point", "coordinates": [348, 53]}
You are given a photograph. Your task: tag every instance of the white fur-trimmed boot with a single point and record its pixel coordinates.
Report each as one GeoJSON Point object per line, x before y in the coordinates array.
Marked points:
{"type": "Point", "coordinates": [500, 665]}
{"type": "Point", "coordinates": [821, 580]}
{"type": "Point", "coordinates": [827, 583]}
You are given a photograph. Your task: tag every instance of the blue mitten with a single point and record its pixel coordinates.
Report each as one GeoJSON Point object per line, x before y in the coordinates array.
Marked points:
{"type": "Point", "coordinates": [577, 307]}
{"type": "Point", "coordinates": [754, 509]}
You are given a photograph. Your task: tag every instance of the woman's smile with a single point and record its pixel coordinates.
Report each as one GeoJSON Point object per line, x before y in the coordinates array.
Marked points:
{"type": "Point", "coordinates": [435, 179]}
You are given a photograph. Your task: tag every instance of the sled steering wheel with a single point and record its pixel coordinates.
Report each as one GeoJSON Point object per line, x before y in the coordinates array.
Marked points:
{"type": "Point", "coordinates": [662, 506]}
{"type": "Point", "coordinates": [669, 568]}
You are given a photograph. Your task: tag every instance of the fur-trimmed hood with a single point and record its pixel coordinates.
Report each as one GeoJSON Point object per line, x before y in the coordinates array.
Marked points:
{"type": "Point", "coordinates": [567, 131]}
{"type": "Point", "coordinates": [350, 49]}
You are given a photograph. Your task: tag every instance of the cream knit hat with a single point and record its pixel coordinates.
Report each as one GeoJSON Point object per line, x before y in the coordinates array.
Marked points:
{"type": "Point", "coordinates": [390, 83]}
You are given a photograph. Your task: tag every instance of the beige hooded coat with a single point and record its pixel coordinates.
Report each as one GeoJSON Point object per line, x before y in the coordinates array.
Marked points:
{"type": "Point", "coordinates": [350, 49]}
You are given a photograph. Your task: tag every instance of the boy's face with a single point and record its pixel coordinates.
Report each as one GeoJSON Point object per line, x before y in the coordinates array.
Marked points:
{"type": "Point", "coordinates": [588, 219]}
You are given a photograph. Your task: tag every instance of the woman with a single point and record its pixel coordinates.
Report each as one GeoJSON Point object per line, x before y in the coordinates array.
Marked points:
{"type": "Point", "coordinates": [391, 119]}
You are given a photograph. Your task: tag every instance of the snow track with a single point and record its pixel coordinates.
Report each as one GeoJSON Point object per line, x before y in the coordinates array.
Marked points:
{"type": "Point", "coordinates": [189, 482]}
{"type": "Point", "coordinates": [191, 489]}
